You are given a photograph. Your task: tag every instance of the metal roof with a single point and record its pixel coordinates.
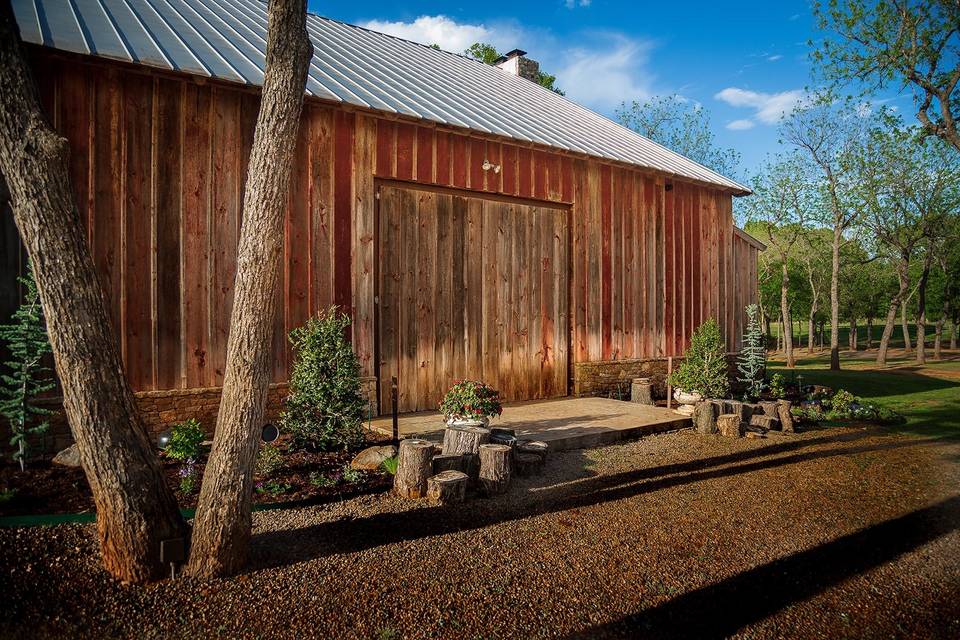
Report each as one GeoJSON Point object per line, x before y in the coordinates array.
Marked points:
{"type": "Point", "coordinates": [226, 39]}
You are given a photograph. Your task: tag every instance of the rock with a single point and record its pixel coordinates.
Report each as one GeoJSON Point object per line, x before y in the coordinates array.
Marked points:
{"type": "Point", "coordinates": [69, 457]}
{"type": "Point", "coordinates": [371, 458]}
{"type": "Point", "coordinates": [705, 418]}
{"type": "Point", "coordinates": [765, 422]}
{"type": "Point", "coordinates": [786, 418]}
{"type": "Point", "coordinates": [769, 408]}
{"type": "Point", "coordinates": [729, 425]}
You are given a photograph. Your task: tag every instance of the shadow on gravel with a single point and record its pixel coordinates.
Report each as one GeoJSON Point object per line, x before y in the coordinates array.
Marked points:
{"type": "Point", "coordinates": [723, 608]}
{"type": "Point", "coordinates": [278, 548]}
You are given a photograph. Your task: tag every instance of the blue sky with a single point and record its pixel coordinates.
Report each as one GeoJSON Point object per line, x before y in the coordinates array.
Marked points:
{"type": "Point", "coordinates": [746, 62]}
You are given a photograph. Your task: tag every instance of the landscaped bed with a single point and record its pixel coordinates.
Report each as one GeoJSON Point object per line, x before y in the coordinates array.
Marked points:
{"type": "Point", "coordinates": [840, 532]}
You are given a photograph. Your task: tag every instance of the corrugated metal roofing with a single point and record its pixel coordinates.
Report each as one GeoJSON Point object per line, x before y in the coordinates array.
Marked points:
{"type": "Point", "coordinates": [226, 39]}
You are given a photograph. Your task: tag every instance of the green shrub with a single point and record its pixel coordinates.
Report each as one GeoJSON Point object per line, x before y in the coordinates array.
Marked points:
{"type": "Point", "coordinates": [269, 460]}
{"type": "Point", "coordinates": [704, 366]}
{"type": "Point", "coordinates": [317, 479]}
{"type": "Point", "coordinates": [272, 487]}
{"type": "Point", "coordinates": [325, 408]}
{"type": "Point", "coordinates": [351, 475]}
{"type": "Point", "coordinates": [777, 387]}
{"type": "Point", "coordinates": [752, 360]}
{"type": "Point", "coordinates": [188, 476]}
{"type": "Point", "coordinates": [7, 495]}
{"type": "Point", "coordinates": [186, 440]}
{"type": "Point", "coordinates": [471, 400]}
{"type": "Point", "coordinates": [390, 465]}
{"type": "Point", "coordinates": [841, 401]}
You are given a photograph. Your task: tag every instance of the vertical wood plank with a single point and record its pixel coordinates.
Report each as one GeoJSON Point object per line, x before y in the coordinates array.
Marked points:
{"type": "Point", "coordinates": [363, 243]}
{"type": "Point", "coordinates": [443, 158]}
{"type": "Point", "coordinates": [322, 240]}
{"type": "Point", "coordinates": [458, 151]}
{"type": "Point", "coordinates": [386, 148]}
{"type": "Point", "coordinates": [425, 152]}
{"type": "Point", "coordinates": [509, 170]}
{"type": "Point", "coordinates": [524, 173]}
{"type": "Point", "coordinates": [425, 330]}
{"type": "Point", "coordinates": [472, 264]}
{"type": "Point", "coordinates": [406, 135]}
{"type": "Point", "coordinates": [477, 176]}
{"type": "Point", "coordinates": [391, 300]}
{"type": "Point", "coordinates": [606, 263]}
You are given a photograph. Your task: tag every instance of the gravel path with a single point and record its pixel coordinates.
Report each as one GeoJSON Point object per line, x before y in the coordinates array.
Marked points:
{"type": "Point", "coordinates": [829, 534]}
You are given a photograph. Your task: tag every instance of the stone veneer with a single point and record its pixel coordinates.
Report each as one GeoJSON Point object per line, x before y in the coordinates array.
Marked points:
{"type": "Point", "coordinates": [611, 378]}
{"type": "Point", "coordinates": [161, 409]}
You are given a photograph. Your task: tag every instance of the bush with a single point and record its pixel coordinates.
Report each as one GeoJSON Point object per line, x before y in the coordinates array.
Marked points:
{"type": "Point", "coordinates": [390, 465]}
{"type": "Point", "coordinates": [188, 476]}
{"type": "Point", "coordinates": [840, 404]}
{"type": "Point", "coordinates": [471, 400]}
{"type": "Point", "coordinates": [186, 441]}
{"type": "Point", "coordinates": [325, 408]}
{"type": "Point", "coordinates": [269, 460]}
{"type": "Point", "coordinates": [704, 367]}
{"type": "Point", "coordinates": [777, 388]}
{"type": "Point", "coordinates": [752, 360]}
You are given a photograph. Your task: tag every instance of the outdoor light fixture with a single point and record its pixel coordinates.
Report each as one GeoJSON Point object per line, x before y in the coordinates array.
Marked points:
{"type": "Point", "coordinates": [487, 165]}
{"type": "Point", "coordinates": [163, 439]}
{"type": "Point", "coordinates": [269, 433]}
{"type": "Point", "coordinates": [668, 187]}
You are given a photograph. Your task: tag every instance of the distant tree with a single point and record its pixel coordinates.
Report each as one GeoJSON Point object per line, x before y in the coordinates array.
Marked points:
{"type": "Point", "coordinates": [813, 254]}
{"type": "Point", "coordinates": [912, 43]}
{"type": "Point", "coordinates": [680, 125]}
{"type": "Point", "coordinates": [488, 54]}
{"type": "Point", "coordinates": [436, 46]}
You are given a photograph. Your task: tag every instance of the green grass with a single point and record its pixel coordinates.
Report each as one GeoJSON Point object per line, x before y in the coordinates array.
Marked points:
{"type": "Point", "coordinates": [929, 398]}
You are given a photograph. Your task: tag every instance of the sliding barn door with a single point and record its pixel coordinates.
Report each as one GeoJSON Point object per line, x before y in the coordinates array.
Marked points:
{"type": "Point", "coordinates": [470, 288]}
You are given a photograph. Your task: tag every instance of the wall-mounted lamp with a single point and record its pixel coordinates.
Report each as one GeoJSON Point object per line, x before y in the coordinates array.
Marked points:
{"type": "Point", "coordinates": [487, 165]}
{"type": "Point", "coordinates": [668, 187]}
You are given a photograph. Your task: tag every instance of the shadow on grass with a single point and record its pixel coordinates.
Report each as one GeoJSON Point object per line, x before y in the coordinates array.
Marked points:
{"type": "Point", "coordinates": [721, 609]}
{"type": "Point", "coordinates": [283, 547]}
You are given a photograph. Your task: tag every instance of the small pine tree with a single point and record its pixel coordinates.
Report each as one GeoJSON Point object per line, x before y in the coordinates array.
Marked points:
{"type": "Point", "coordinates": [325, 408]}
{"type": "Point", "coordinates": [752, 360]}
{"type": "Point", "coordinates": [26, 339]}
{"type": "Point", "coordinates": [704, 366]}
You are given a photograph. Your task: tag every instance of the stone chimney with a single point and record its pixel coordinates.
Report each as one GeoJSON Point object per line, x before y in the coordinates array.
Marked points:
{"type": "Point", "coordinates": [516, 64]}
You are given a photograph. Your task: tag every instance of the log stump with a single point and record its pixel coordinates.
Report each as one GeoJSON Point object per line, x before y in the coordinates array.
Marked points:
{"type": "Point", "coordinates": [528, 464]}
{"type": "Point", "coordinates": [414, 466]}
{"type": "Point", "coordinates": [641, 391]}
{"type": "Point", "coordinates": [705, 418]}
{"type": "Point", "coordinates": [449, 462]}
{"type": "Point", "coordinates": [786, 418]}
{"type": "Point", "coordinates": [466, 441]}
{"type": "Point", "coordinates": [765, 422]}
{"type": "Point", "coordinates": [495, 468]}
{"type": "Point", "coordinates": [769, 408]}
{"type": "Point", "coordinates": [448, 487]}
{"type": "Point", "coordinates": [534, 447]}
{"type": "Point", "coordinates": [729, 425]}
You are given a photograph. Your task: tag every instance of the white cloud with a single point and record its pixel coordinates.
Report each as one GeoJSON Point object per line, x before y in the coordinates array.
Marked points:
{"type": "Point", "coordinates": [768, 108]}
{"type": "Point", "coordinates": [447, 33]}
{"type": "Point", "coordinates": [571, 4]}
{"type": "Point", "coordinates": [604, 76]}
{"type": "Point", "coordinates": [740, 125]}
{"type": "Point", "coordinates": [774, 58]}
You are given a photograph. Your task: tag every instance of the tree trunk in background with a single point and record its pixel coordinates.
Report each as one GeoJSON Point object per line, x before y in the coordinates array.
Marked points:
{"type": "Point", "coordinates": [222, 528]}
{"type": "Point", "coordinates": [835, 299]}
{"type": "Point", "coordinates": [870, 332]}
{"type": "Point", "coordinates": [922, 312]}
{"type": "Point", "coordinates": [953, 333]}
{"type": "Point", "coordinates": [135, 507]}
{"type": "Point", "coordinates": [852, 337]}
{"type": "Point", "coordinates": [895, 302]}
{"type": "Point", "coordinates": [785, 315]}
{"type": "Point", "coordinates": [905, 328]}
{"type": "Point", "coordinates": [938, 334]}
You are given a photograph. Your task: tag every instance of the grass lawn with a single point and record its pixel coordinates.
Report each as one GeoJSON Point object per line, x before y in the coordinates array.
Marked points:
{"type": "Point", "coordinates": [928, 396]}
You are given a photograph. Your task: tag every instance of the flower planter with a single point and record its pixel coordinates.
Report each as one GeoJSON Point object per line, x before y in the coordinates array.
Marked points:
{"type": "Point", "coordinates": [686, 401]}
{"type": "Point", "coordinates": [468, 422]}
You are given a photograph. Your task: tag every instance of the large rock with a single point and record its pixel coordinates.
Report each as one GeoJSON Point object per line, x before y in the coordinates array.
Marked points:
{"type": "Point", "coordinates": [371, 458]}
{"type": "Point", "coordinates": [705, 417]}
{"type": "Point", "coordinates": [69, 457]}
{"type": "Point", "coordinates": [729, 425]}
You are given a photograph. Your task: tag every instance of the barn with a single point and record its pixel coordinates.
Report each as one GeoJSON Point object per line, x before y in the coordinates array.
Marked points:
{"type": "Point", "coordinates": [473, 223]}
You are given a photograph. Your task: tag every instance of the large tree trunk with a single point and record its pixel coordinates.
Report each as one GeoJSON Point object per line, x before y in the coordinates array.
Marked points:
{"type": "Point", "coordinates": [835, 299]}
{"type": "Point", "coordinates": [785, 314]}
{"type": "Point", "coordinates": [895, 302]}
{"type": "Point", "coordinates": [905, 327]}
{"type": "Point", "coordinates": [869, 332]}
{"type": "Point", "coordinates": [136, 509]}
{"type": "Point", "coordinates": [852, 336]}
{"type": "Point", "coordinates": [222, 527]}
{"type": "Point", "coordinates": [922, 311]}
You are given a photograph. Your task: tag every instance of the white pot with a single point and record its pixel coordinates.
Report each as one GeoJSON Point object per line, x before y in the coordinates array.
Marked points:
{"type": "Point", "coordinates": [683, 397]}
{"type": "Point", "coordinates": [468, 422]}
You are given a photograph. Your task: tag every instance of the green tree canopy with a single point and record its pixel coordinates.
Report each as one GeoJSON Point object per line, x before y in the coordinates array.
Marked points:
{"type": "Point", "coordinates": [488, 54]}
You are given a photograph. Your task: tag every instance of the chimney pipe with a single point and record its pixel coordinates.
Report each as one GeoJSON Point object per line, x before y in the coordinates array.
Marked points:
{"type": "Point", "coordinates": [515, 63]}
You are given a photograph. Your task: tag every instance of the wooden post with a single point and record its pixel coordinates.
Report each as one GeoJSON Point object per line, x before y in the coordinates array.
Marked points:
{"type": "Point", "coordinates": [669, 388]}
{"type": "Point", "coordinates": [495, 468]}
{"type": "Point", "coordinates": [414, 467]}
{"type": "Point", "coordinates": [449, 487]}
{"type": "Point", "coordinates": [396, 418]}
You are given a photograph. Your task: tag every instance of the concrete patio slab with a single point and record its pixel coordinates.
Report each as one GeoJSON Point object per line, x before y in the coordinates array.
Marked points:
{"type": "Point", "coordinates": [564, 423]}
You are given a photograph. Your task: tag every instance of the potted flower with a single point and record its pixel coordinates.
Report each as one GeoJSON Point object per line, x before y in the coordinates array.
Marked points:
{"type": "Point", "coordinates": [703, 372]}
{"type": "Point", "coordinates": [471, 402]}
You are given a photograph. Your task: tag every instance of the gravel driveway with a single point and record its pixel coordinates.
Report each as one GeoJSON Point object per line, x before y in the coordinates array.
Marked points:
{"type": "Point", "coordinates": [827, 534]}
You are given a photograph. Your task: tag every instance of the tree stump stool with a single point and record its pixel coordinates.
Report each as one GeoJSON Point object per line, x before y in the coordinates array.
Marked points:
{"type": "Point", "coordinates": [705, 417]}
{"type": "Point", "coordinates": [765, 422]}
{"type": "Point", "coordinates": [534, 447]}
{"type": "Point", "coordinates": [448, 487]}
{"type": "Point", "coordinates": [786, 418]}
{"type": "Point", "coordinates": [769, 408]}
{"type": "Point", "coordinates": [641, 391]}
{"type": "Point", "coordinates": [495, 468]}
{"type": "Point", "coordinates": [449, 462]}
{"type": "Point", "coordinates": [527, 464]}
{"type": "Point", "coordinates": [729, 425]}
{"type": "Point", "coordinates": [466, 441]}
{"type": "Point", "coordinates": [414, 466]}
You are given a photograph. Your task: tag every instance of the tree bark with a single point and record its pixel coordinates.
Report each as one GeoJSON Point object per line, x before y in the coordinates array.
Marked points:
{"type": "Point", "coordinates": [785, 313]}
{"type": "Point", "coordinates": [495, 468]}
{"type": "Point", "coordinates": [447, 487]}
{"type": "Point", "coordinates": [922, 311]}
{"type": "Point", "coordinates": [852, 336]}
{"type": "Point", "coordinates": [869, 332]}
{"type": "Point", "coordinates": [414, 467]}
{"type": "Point", "coordinates": [835, 298]}
{"type": "Point", "coordinates": [905, 327]}
{"type": "Point", "coordinates": [136, 509]}
{"type": "Point", "coordinates": [895, 302]}
{"type": "Point", "coordinates": [222, 527]}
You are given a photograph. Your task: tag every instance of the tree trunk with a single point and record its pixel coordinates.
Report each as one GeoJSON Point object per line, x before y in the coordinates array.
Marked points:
{"type": "Point", "coordinates": [811, 330]}
{"type": "Point", "coordinates": [869, 332]}
{"type": "Point", "coordinates": [466, 441]}
{"type": "Point", "coordinates": [136, 509]}
{"type": "Point", "coordinates": [835, 299]}
{"type": "Point", "coordinates": [922, 311]}
{"type": "Point", "coordinates": [447, 487]}
{"type": "Point", "coordinates": [905, 328]}
{"type": "Point", "coordinates": [852, 337]}
{"type": "Point", "coordinates": [495, 468]}
{"type": "Point", "coordinates": [414, 467]}
{"type": "Point", "coordinates": [895, 302]}
{"type": "Point", "coordinates": [785, 314]}
{"type": "Point", "coordinates": [222, 527]}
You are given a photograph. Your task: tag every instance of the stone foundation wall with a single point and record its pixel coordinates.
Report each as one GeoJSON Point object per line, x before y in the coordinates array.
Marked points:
{"type": "Point", "coordinates": [611, 378]}
{"type": "Point", "coordinates": [162, 409]}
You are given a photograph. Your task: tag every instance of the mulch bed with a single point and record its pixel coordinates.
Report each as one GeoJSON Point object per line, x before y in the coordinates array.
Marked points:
{"type": "Point", "coordinates": [47, 489]}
